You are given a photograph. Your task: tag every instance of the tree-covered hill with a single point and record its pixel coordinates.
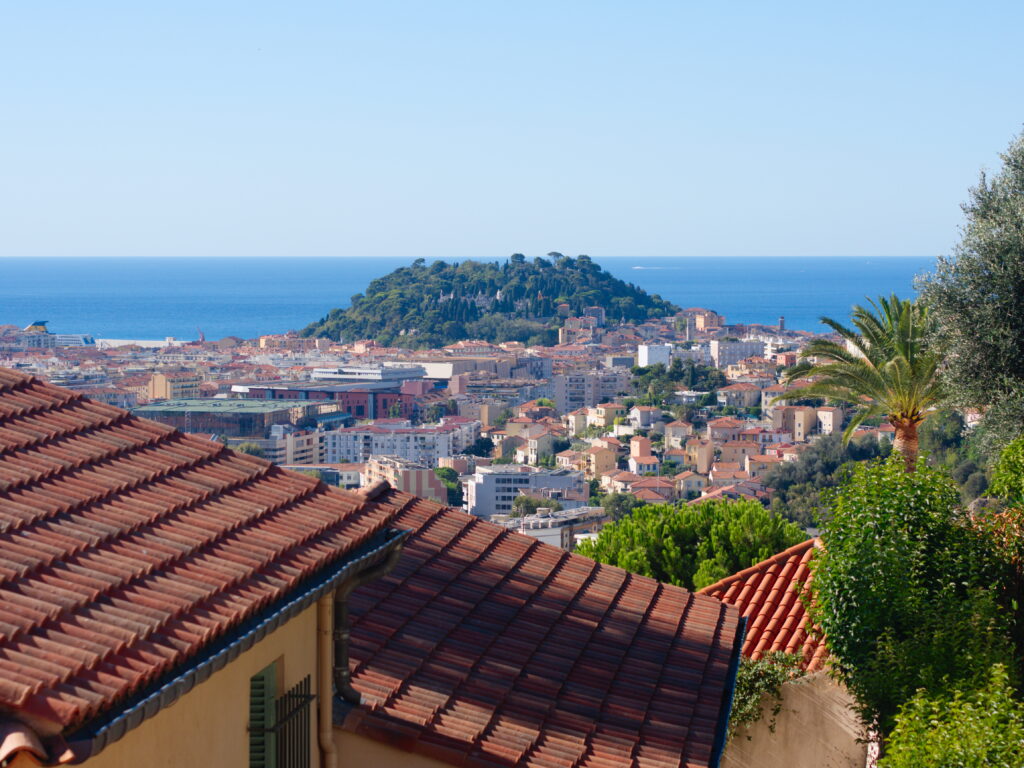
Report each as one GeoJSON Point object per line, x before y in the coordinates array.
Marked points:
{"type": "Point", "coordinates": [432, 305]}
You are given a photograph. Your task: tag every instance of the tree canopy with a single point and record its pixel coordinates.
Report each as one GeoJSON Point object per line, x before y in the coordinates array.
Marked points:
{"type": "Point", "coordinates": [692, 546]}
{"type": "Point", "coordinates": [975, 298]}
{"type": "Point", "coordinates": [431, 305]}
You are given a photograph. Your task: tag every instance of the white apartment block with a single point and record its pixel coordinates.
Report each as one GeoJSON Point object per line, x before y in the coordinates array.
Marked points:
{"type": "Point", "coordinates": [585, 389]}
{"type": "Point", "coordinates": [419, 444]}
{"type": "Point", "coordinates": [652, 354]}
{"type": "Point", "coordinates": [491, 489]}
{"type": "Point", "coordinates": [726, 353]}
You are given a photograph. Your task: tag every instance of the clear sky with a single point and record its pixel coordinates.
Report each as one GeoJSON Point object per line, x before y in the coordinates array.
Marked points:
{"type": "Point", "coordinates": [480, 128]}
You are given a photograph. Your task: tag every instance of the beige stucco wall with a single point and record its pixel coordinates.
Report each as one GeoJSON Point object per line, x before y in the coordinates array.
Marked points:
{"type": "Point", "coordinates": [360, 752]}
{"type": "Point", "coordinates": [815, 729]}
{"type": "Point", "coordinates": [207, 726]}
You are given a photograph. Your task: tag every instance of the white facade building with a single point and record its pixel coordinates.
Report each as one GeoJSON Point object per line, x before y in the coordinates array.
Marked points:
{"type": "Point", "coordinates": [491, 490]}
{"type": "Point", "coordinates": [726, 353]}
{"type": "Point", "coordinates": [652, 354]}
{"type": "Point", "coordinates": [419, 444]}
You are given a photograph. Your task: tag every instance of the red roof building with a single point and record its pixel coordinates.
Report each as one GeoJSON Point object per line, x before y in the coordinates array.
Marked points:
{"type": "Point", "coordinates": [138, 564]}
{"type": "Point", "coordinates": [770, 595]}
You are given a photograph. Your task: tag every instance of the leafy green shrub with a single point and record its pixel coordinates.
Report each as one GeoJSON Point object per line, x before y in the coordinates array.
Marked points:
{"type": "Point", "coordinates": [983, 728]}
{"type": "Point", "coordinates": [693, 547]}
{"type": "Point", "coordinates": [1008, 474]}
{"type": "Point", "coordinates": [907, 589]}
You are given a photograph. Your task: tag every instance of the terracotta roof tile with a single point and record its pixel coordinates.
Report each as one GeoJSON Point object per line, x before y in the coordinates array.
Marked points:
{"type": "Point", "coordinates": [127, 547]}
{"type": "Point", "coordinates": [485, 647]}
{"type": "Point", "coordinates": [769, 595]}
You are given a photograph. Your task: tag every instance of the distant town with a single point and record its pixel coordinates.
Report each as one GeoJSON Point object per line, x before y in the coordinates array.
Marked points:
{"type": "Point", "coordinates": [678, 409]}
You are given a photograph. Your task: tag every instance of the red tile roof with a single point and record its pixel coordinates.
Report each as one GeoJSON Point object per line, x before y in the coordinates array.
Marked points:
{"type": "Point", "coordinates": [485, 647]}
{"type": "Point", "coordinates": [127, 548]}
{"type": "Point", "coordinates": [129, 552]}
{"type": "Point", "coordinates": [769, 595]}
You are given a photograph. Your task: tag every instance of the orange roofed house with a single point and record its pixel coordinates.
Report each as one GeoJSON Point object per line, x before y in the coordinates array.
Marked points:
{"type": "Point", "coordinates": [816, 726]}
{"type": "Point", "coordinates": [165, 601]}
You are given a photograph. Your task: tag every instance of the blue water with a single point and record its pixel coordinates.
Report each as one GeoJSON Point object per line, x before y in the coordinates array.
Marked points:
{"type": "Point", "coordinates": [157, 297]}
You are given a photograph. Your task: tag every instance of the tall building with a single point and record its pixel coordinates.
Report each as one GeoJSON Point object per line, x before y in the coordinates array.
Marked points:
{"type": "Point", "coordinates": [652, 354]}
{"type": "Point", "coordinates": [407, 476]}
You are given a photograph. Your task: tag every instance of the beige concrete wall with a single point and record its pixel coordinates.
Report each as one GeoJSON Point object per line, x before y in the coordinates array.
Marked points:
{"type": "Point", "coordinates": [208, 725]}
{"type": "Point", "coordinates": [356, 751]}
{"type": "Point", "coordinates": [815, 729]}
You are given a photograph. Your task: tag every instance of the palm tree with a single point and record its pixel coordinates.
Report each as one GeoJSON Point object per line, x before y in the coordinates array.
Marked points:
{"type": "Point", "coordinates": [885, 368]}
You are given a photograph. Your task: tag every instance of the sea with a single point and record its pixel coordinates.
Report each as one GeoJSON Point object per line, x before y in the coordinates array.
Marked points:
{"type": "Point", "coordinates": [154, 298]}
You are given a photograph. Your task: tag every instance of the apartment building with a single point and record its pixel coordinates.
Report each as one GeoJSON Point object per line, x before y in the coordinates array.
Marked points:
{"type": "Point", "coordinates": [491, 490]}
{"type": "Point", "coordinates": [407, 476]}
{"type": "Point", "coordinates": [652, 354]}
{"type": "Point", "coordinates": [288, 446]}
{"type": "Point", "coordinates": [176, 385]}
{"type": "Point", "coordinates": [726, 353]}
{"type": "Point", "coordinates": [587, 388]}
{"type": "Point", "coordinates": [392, 438]}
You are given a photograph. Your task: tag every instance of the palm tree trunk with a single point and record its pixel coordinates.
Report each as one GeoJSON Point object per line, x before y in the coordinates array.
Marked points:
{"type": "Point", "coordinates": [905, 442]}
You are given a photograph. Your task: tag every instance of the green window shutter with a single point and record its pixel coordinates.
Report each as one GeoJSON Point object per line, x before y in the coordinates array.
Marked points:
{"type": "Point", "coordinates": [262, 740]}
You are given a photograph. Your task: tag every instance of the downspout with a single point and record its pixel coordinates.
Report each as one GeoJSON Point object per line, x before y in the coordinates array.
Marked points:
{"type": "Point", "coordinates": [325, 726]}
{"type": "Point", "coordinates": [342, 673]}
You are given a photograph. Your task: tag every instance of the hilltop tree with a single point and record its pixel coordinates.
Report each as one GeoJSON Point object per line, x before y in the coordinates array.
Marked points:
{"type": "Point", "coordinates": [975, 298]}
{"type": "Point", "coordinates": [885, 367]}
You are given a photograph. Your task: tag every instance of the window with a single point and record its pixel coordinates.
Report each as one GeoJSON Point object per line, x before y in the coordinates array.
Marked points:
{"type": "Point", "coordinates": [279, 726]}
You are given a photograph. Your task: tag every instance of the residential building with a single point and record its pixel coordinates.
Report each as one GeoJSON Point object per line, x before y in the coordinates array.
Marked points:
{"type": "Point", "coordinates": [287, 446]}
{"type": "Point", "coordinates": [491, 490]}
{"type": "Point", "coordinates": [406, 476]}
{"type": "Point", "coordinates": [816, 724]}
{"type": "Point", "coordinates": [700, 454]}
{"type": "Point", "coordinates": [738, 450]}
{"type": "Point", "coordinates": [228, 597]}
{"type": "Point", "coordinates": [690, 485]}
{"type": "Point", "coordinates": [424, 445]}
{"type": "Point", "coordinates": [597, 460]}
{"type": "Point", "coordinates": [587, 388]}
{"type": "Point", "coordinates": [653, 354]}
{"type": "Point", "coordinates": [724, 429]}
{"type": "Point", "coordinates": [644, 416]}
{"type": "Point", "coordinates": [830, 420]}
{"type": "Point", "coordinates": [677, 433]}
{"type": "Point", "coordinates": [174, 385]}
{"type": "Point", "coordinates": [726, 353]}
{"type": "Point", "coordinates": [798, 420]}
{"type": "Point", "coordinates": [560, 529]}
{"type": "Point", "coordinates": [605, 414]}
{"type": "Point", "coordinates": [739, 395]}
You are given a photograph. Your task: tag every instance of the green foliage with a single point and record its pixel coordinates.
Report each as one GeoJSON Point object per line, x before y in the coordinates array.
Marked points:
{"type": "Point", "coordinates": [619, 505]}
{"type": "Point", "coordinates": [982, 728]}
{"type": "Point", "coordinates": [693, 547]}
{"type": "Point", "coordinates": [798, 485]}
{"type": "Point", "coordinates": [656, 384]}
{"type": "Point", "coordinates": [253, 449]}
{"type": "Point", "coordinates": [425, 306]}
{"type": "Point", "coordinates": [975, 297]}
{"type": "Point", "coordinates": [528, 505]}
{"type": "Point", "coordinates": [891, 371]}
{"type": "Point", "coordinates": [545, 402]}
{"type": "Point", "coordinates": [450, 479]}
{"type": "Point", "coordinates": [482, 446]}
{"type": "Point", "coordinates": [906, 589]}
{"type": "Point", "coordinates": [757, 681]}
{"type": "Point", "coordinates": [1008, 474]}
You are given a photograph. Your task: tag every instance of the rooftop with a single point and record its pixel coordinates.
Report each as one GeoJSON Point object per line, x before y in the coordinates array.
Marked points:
{"type": "Point", "coordinates": [768, 595]}
{"type": "Point", "coordinates": [217, 405]}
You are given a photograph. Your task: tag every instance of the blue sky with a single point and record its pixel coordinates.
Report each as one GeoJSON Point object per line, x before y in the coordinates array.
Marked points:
{"type": "Point", "coordinates": [482, 128]}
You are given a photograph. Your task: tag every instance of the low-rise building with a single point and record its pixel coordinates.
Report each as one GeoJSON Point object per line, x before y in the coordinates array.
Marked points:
{"type": "Point", "coordinates": [491, 490]}
{"type": "Point", "coordinates": [407, 476]}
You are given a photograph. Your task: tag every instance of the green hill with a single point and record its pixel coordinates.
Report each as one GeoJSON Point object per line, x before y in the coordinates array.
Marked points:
{"type": "Point", "coordinates": [433, 305]}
